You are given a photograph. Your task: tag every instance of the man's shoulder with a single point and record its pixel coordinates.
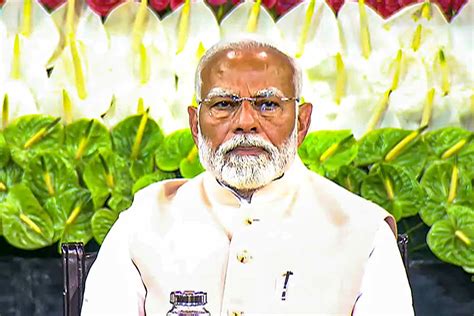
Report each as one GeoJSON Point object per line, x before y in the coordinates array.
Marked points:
{"type": "Point", "coordinates": [344, 202]}
{"type": "Point", "coordinates": [166, 190]}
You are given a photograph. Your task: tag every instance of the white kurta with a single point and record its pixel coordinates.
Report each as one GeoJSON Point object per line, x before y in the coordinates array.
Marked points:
{"type": "Point", "coordinates": [197, 235]}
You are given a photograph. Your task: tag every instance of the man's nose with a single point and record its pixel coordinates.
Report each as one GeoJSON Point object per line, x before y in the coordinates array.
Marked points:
{"type": "Point", "coordinates": [246, 119]}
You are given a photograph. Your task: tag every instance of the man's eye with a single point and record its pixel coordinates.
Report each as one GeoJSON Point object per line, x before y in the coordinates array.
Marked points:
{"type": "Point", "coordinates": [268, 106]}
{"type": "Point", "coordinates": [222, 105]}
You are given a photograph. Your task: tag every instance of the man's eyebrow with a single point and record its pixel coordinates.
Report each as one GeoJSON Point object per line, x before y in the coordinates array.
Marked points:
{"type": "Point", "coordinates": [219, 92]}
{"type": "Point", "coordinates": [268, 92]}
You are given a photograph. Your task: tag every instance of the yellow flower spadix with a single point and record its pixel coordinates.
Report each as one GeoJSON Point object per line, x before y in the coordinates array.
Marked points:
{"type": "Point", "coordinates": [67, 107]}
{"type": "Point", "coordinates": [415, 43]}
{"type": "Point", "coordinates": [379, 111]}
{"type": "Point", "coordinates": [253, 17]}
{"type": "Point", "coordinates": [5, 111]}
{"type": "Point", "coordinates": [78, 72]}
{"type": "Point", "coordinates": [32, 225]}
{"type": "Point", "coordinates": [427, 108]}
{"type": "Point", "coordinates": [445, 83]}
{"type": "Point", "coordinates": [139, 26]}
{"type": "Point", "coordinates": [305, 29]}
{"type": "Point", "coordinates": [398, 66]}
{"type": "Point", "coordinates": [74, 214]}
{"type": "Point", "coordinates": [340, 79]}
{"type": "Point", "coordinates": [364, 30]}
{"type": "Point", "coordinates": [453, 185]}
{"type": "Point", "coordinates": [15, 70]}
{"type": "Point", "coordinates": [139, 137]}
{"type": "Point", "coordinates": [183, 26]}
{"type": "Point", "coordinates": [144, 65]}
{"type": "Point", "coordinates": [26, 18]}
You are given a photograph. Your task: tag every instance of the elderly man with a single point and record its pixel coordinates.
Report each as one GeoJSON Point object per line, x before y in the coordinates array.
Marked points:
{"type": "Point", "coordinates": [257, 231]}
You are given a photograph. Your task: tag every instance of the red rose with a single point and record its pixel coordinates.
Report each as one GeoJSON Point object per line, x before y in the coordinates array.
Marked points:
{"type": "Point", "coordinates": [103, 7]}
{"type": "Point", "coordinates": [159, 5]}
{"type": "Point", "coordinates": [235, 2]}
{"type": "Point", "coordinates": [283, 6]}
{"type": "Point", "coordinates": [335, 4]}
{"type": "Point", "coordinates": [175, 3]}
{"type": "Point", "coordinates": [50, 4]}
{"type": "Point", "coordinates": [457, 5]}
{"type": "Point", "coordinates": [217, 3]}
{"type": "Point", "coordinates": [269, 3]}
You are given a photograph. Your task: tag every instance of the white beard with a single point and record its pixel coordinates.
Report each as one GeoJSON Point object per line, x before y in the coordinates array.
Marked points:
{"type": "Point", "coordinates": [247, 172]}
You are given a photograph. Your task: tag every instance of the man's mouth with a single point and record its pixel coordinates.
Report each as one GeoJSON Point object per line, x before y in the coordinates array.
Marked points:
{"type": "Point", "coordinates": [248, 151]}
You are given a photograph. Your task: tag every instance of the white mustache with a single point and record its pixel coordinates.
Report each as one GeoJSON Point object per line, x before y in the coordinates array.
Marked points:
{"type": "Point", "coordinates": [246, 140]}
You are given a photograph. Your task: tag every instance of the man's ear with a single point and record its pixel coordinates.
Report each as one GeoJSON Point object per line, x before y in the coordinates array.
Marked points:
{"type": "Point", "coordinates": [193, 122]}
{"type": "Point", "coordinates": [304, 120]}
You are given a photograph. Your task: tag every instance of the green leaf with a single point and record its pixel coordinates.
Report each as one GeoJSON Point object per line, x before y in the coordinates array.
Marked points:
{"type": "Point", "coordinates": [452, 239]}
{"type": "Point", "coordinates": [191, 166]}
{"type": "Point", "coordinates": [443, 144]}
{"type": "Point", "coordinates": [71, 213]}
{"type": "Point", "coordinates": [31, 133]}
{"type": "Point", "coordinates": [26, 225]}
{"type": "Point", "coordinates": [84, 137]}
{"type": "Point", "coordinates": [128, 135]}
{"type": "Point", "coordinates": [119, 202]}
{"type": "Point", "coordinates": [102, 221]}
{"type": "Point", "coordinates": [49, 174]}
{"type": "Point", "coordinates": [328, 150]}
{"type": "Point", "coordinates": [140, 168]}
{"type": "Point", "coordinates": [148, 179]}
{"type": "Point", "coordinates": [10, 175]}
{"type": "Point", "coordinates": [442, 139]}
{"type": "Point", "coordinates": [436, 182]}
{"type": "Point", "coordinates": [393, 188]}
{"type": "Point", "coordinates": [376, 144]}
{"type": "Point", "coordinates": [175, 147]}
{"type": "Point", "coordinates": [350, 178]}
{"type": "Point", "coordinates": [107, 175]}
{"type": "Point", "coordinates": [4, 152]}
{"type": "Point", "coordinates": [395, 146]}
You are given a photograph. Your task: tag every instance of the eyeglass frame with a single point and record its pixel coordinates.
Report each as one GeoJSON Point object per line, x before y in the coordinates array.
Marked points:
{"type": "Point", "coordinates": [252, 100]}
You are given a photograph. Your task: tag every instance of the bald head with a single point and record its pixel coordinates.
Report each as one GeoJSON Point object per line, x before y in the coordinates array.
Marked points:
{"type": "Point", "coordinates": [246, 56]}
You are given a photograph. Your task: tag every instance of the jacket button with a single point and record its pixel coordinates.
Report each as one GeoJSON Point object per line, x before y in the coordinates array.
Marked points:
{"type": "Point", "coordinates": [244, 256]}
{"type": "Point", "coordinates": [248, 221]}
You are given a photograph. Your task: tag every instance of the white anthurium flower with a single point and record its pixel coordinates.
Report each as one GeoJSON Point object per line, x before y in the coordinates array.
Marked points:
{"type": "Point", "coordinates": [358, 113]}
{"type": "Point", "coordinates": [139, 44]}
{"type": "Point", "coordinates": [31, 38]}
{"type": "Point", "coordinates": [251, 18]}
{"type": "Point", "coordinates": [80, 84]}
{"type": "Point", "coordinates": [80, 80]}
{"type": "Point", "coordinates": [66, 24]}
{"type": "Point", "coordinates": [3, 51]}
{"type": "Point", "coordinates": [16, 100]}
{"type": "Point", "coordinates": [420, 27]}
{"type": "Point", "coordinates": [409, 84]}
{"type": "Point", "coordinates": [310, 32]}
{"type": "Point", "coordinates": [147, 77]}
{"type": "Point", "coordinates": [460, 29]}
{"type": "Point", "coordinates": [192, 28]}
{"type": "Point", "coordinates": [132, 23]}
{"type": "Point", "coordinates": [363, 31]}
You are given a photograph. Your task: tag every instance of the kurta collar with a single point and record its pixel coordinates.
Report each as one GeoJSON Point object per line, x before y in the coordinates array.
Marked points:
{"type": "Point", "coordinates": [280, 188]}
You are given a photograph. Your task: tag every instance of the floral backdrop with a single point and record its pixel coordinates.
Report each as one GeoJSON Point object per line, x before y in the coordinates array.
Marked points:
{"type": "Point", "coordinates": [93, 99]}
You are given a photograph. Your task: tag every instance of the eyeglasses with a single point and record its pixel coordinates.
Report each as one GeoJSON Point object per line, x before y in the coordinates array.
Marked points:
{"type": "Point", "coordinates": [226, 107]}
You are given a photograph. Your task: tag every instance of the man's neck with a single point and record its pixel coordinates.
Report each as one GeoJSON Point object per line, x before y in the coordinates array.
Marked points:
{"type": "Point", "coordinates": [243, 194]}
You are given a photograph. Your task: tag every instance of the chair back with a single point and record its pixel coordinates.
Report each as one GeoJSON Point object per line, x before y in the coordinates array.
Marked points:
{"type": "Point", "coordinates": [76, 265]}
